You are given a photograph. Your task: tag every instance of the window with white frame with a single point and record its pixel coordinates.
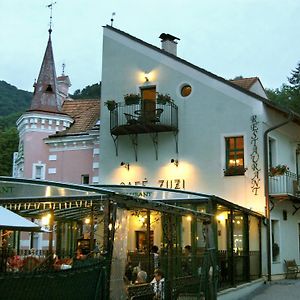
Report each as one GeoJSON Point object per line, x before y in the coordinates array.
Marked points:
{"type": "Point", "coordinates": [38, 171]}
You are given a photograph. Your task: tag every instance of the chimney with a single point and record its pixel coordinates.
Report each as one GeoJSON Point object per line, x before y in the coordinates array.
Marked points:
{"type": "Point", "coordinates": [168, 43]}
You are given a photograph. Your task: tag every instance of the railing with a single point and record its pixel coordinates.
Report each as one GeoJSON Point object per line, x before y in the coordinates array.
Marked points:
{"type": "Point", "coordinates": [286, 184]}
{"type": "Point", "coordinates": [84, 280]}
{"type": "Point", "coordinates": [237, 268]}
{"type": "Point", "coordinates": [128, 119]}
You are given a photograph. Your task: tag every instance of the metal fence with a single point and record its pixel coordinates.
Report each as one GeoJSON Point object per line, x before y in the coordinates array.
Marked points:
{"type": "Point", "coordinates": [85, 280]}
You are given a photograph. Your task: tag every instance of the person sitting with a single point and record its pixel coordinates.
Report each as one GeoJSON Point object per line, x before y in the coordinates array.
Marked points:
{"type": "Point", "coordinates": [14, 262]}
{"type": "Point", "coordinates": [141, 277]}
{"type": "Point", "coordinates": [158, 284]}
{"type": "Point", "coordinates": [79, 254]}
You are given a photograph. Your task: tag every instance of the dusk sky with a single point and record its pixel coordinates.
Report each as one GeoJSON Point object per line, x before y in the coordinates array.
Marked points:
{"type": "Point", "coordinates": [228, 38]}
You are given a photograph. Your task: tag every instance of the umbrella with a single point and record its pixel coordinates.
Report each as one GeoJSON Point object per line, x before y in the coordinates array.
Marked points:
{"type": "Point", "coordinates": [11, 221]}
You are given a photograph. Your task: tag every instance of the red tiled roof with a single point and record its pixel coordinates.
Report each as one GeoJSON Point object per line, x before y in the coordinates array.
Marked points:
{"type": "Point", "coordinates": [85, 114]}
{"type": "Point", "coordinates": [245, 83]}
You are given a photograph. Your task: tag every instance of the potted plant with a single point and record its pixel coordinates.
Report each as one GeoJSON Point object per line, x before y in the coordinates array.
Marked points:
{"type": "Point", "coordinates": [278, 170]}
{"type": "Point", "coordinates": [111, 104]}
{"type": "Point", "coordinates": [132, 99]}
{"type": "Point", "coordinates": [163, 98]}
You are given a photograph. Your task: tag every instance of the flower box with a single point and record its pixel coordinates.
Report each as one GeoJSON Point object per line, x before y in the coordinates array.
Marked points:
{"type": "Point", "coordinates": [278, 170]}
{"type": "Point", "coordinates": [235, 170]}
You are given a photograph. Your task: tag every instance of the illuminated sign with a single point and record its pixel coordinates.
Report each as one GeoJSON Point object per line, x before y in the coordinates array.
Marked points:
{"type": "Point", "coordinates": [177, 184]}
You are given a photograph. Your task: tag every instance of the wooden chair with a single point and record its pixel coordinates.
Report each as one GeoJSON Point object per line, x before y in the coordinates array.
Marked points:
{"type": "Point", "coordinates": [291, 268]}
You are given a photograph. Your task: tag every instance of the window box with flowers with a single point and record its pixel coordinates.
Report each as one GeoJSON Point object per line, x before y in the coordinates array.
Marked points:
{"type": "Point", "coordinates": [163, 98]}
{"type": "Point", "coordinates": [132, 99]}
{"type": "Point", "coordinates": [278, 170]}
{"type": "Point", "coordinates": [235, 170]}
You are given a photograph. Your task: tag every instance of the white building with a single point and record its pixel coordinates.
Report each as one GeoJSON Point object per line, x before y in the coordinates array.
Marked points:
{"type": "Point", "coordinates": [208, 139]}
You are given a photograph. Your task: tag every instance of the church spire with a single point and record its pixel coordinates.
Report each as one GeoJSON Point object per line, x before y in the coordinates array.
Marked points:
{"type": "Point", "coordinates": [45, 97]}
{"type": "Point", "coordinates": [45, 92]}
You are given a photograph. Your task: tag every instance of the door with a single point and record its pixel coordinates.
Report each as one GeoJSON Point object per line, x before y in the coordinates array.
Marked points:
{"type": "Point", "coordinates": [148, 103]}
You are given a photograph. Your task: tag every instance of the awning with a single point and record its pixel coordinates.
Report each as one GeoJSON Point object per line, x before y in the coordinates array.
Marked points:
{"type": "Point", "coordinates": [11, 221]}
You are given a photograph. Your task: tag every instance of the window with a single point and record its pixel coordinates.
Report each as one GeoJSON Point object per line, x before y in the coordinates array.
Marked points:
{"type": "Point", "coordinates": [186, 90]}
{"type": "Point", "coordinates": [234, 156]}
{"type": "Point", "coordinates": [49, 88]}
{"type": "Point", "coordinates": [38, 171]}
{"type": "Point", "coordinates": [85, 179]}
{"type": "Point", "coordinates": [272, 152]}
{"type": "Point", "coordinates": [275, 240]}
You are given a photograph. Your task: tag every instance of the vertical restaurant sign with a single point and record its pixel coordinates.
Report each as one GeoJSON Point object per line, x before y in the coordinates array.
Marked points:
{"type": "Point", "coordinates": [255, 180]}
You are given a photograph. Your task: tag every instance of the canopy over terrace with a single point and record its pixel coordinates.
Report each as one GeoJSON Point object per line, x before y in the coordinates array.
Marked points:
{"type": "Point", "coordinates": [69, 201]}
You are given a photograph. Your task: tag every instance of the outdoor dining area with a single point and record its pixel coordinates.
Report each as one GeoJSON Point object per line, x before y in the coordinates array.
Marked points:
{"type": "Point", "coordinates": [101, 240]}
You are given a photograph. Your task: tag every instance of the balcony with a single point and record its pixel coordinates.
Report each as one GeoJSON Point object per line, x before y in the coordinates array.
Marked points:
{"type": "Point", "coordinates": [141, 118]}
{"type": "Point", "coordinates": [284, 185]}
{"type": "Point", "coordinates": [131, 119]}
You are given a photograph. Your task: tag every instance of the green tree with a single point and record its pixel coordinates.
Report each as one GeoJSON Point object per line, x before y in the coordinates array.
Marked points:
{"type": "Point", "coordinates": [294, 80]}
{"type": "Point", "coordinates": [9, 140]}
{"type": "Point", "coordinates": [288, 96]}
{"type": "Point", "coordinates": [13, 99]}
{"type": "Point", "coordinates": [89, 92]}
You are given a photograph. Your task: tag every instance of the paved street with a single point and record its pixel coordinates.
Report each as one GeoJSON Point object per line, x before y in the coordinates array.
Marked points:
{"type": "Point", "coordinates": [288, 289]}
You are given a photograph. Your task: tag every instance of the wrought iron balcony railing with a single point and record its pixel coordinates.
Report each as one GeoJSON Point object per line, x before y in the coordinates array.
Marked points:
{"type": "Point", "coordinates": [133, 119]}
{"type": "Point", "coordinates": [286, 184]}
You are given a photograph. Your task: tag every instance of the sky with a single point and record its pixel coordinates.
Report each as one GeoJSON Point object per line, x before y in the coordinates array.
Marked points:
{"type": "Point", "coordinates": [228, 38]}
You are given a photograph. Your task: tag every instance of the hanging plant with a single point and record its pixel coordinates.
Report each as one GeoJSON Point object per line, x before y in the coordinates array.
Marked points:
{"type": "Point", "coordinates": [163, 98]}
{"type": "Point", "coordinates": [132, 99]}
{"type": "Point", "coordinates": [111, 104]}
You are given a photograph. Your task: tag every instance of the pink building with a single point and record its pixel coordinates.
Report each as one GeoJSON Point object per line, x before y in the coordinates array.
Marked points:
{"type": "Point", "coordinates": [58, 136]}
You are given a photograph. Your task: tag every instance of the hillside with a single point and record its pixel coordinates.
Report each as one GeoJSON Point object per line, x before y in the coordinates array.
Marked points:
{"type": "Point", "coordinates": [13, 100]}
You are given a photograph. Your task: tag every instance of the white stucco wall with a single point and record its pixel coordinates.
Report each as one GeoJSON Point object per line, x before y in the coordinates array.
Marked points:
{"type": "Point", "coordinates": [213, 111]}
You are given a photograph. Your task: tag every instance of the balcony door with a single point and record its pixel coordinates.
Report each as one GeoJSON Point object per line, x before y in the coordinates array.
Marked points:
{"type": "Point", "coordinates": [148, 102]}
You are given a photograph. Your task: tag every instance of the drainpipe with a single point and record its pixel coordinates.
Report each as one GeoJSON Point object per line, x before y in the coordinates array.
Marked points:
{"type": "Point", "coordinates": [266, 179]}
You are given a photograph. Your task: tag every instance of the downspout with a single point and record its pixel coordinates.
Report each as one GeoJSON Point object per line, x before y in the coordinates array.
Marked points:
{"type": "Point", "coordinates": [266, 179]}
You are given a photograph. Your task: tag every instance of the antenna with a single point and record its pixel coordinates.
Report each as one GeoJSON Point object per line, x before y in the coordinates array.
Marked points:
{"type": "Point", "coordinates": [112, 19]}
{"type": "Point", "coordinates": [50, 6]}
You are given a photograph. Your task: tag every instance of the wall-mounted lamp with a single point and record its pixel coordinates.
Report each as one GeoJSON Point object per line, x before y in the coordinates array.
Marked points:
{"type": "Point", "coordinates": [125, 165]}
{"type": "Point", "coordinates": [146, 77]}
{"type": "Point", "coordinates": [175, 162]}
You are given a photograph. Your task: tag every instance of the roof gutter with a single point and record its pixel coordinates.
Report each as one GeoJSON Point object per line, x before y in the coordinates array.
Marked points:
{"type": "Point", "coordinates": [266, 179]}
